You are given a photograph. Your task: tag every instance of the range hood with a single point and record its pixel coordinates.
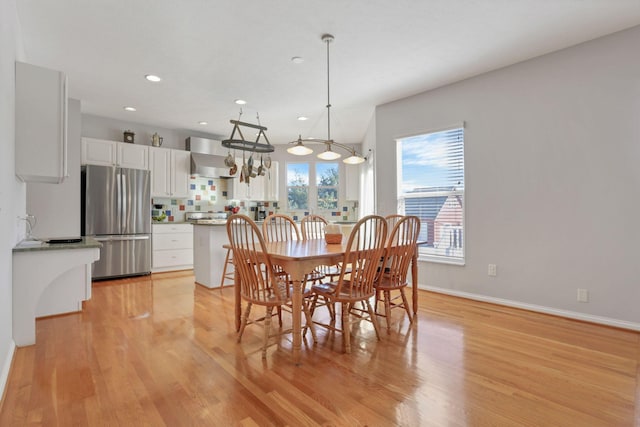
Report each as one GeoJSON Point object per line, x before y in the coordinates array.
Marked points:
{"type": "Point", "coordinates": [207, 157]}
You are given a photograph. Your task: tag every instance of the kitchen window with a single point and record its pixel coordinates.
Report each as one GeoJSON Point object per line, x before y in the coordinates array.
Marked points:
{"type": "Point", "coordinates": [327, 181]}
{"type": "Point", "coordinates": [431, 186]}
{"type": "Point", "coordinates": [298, 185]}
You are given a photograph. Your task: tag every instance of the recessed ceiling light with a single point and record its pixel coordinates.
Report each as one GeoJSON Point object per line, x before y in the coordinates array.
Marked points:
{"type": "Point", "coordinates": [240, 101]}
{"type": "Point", "coordinates": [130, 108]}
{"type": "Point", "coordinates": [302, 118]}
{"type": "Point", "coordinates": [203, 123]}
{"type": "Point", "coordinates": [152, 78]}
{"type": "Point", "coordinates": [297, 60]}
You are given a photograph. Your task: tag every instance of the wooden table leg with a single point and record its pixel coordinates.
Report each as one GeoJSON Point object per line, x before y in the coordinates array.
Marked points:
{"type": "Point", "coordinates": [238, 300]}
{"type": "Point", "coordinates": [414, 283]}
{"type": "Point", "coordinates": [296, 312]}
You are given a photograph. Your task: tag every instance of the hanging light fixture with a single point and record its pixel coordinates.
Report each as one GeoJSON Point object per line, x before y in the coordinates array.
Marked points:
{"type": "Point", "coordinates": [328, 154]}
{"type": "Point", "coordinates": [299, 149]}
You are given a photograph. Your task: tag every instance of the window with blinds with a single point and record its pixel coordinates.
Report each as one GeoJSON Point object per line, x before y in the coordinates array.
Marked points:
{"type": "Point", "coordinates": [431, 187]}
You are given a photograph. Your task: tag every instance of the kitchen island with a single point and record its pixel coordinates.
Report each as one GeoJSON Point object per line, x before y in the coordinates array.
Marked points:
{"type": "Point", "coordinates": [49, 279]}
{"type": "Point", "coordinates": [208, 253]}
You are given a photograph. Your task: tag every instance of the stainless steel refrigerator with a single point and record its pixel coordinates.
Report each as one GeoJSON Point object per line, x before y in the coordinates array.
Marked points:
{"type": "Point", "coordinates": [116, 211]}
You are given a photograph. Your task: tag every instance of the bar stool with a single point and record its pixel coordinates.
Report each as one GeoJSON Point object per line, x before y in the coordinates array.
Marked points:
{"type": "Point", "coordinates": [228, 273]}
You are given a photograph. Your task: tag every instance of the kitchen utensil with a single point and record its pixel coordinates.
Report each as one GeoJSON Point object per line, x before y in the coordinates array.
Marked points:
{"type": "Point", "coordinates": [267, 162]}
{"type": "Point", "coordinates": [250, 165]}
{"type": "Point", "coordinates": [233, 169]}
{"type": "Point", "coordinates": [229, 160]}
{"type": "Point", "coordinates": [261, 167]}
{"type": "Point", "coordinates": [244, 172]}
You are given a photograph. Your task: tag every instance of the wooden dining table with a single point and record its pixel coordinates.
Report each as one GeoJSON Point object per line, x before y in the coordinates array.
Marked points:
{"type": "Point", "coordinates": [298, 258]}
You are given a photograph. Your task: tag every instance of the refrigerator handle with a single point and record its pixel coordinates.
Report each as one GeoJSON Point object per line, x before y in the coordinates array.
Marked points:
{"type": "Point", "coordinates": [118, 201]}
{"type": "Point", "coordinates": [124, 202]}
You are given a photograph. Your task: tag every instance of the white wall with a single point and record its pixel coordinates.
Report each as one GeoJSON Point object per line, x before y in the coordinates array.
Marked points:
{"type": "Point", "coordinates": [12, 192]}
{"type": "Point", "coordinates": [105, 128]}
{"type": "Point", "coordinates": [552, 147]}
{"type": "Point", "coordinates": [57, 206]}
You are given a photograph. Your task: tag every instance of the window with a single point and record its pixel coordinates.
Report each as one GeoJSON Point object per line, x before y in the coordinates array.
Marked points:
{"type": "Point", "coordinates": [298, 185]}
{"type": "Point", "coordinates": [431, 186]}
{"type": "Point", "coordinates": [327, 182]}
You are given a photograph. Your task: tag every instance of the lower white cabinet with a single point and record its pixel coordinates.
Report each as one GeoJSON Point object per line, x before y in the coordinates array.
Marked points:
{"type": "Point", "coordinates": [172, 247]}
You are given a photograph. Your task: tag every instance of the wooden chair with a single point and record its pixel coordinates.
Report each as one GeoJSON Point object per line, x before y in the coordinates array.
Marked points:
{"type": "Point", "coordinates": [259, 283]}
{"type": "Point", "coordinates": [392, 220]}
{"type": "Point", "coordinates": [365, 248]}
{"type": "Point", "coordinates": [313, 227]}
{"type": "Point", "coordinates": [401, 247]}
{"type": "Point", "coordinates": [279, 228]}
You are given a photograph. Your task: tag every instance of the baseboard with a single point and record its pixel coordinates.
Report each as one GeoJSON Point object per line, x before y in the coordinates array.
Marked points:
{"type": "Point", "coordinates": [538, 308]}
{"type": "Point", "coordinates": [4, 374]}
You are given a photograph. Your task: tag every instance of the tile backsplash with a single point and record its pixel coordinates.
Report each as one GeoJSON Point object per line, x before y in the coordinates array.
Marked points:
{"type": "Point", "coordinates": [205, 194]}
{"type": "Point", "coordinates": [211, 194]}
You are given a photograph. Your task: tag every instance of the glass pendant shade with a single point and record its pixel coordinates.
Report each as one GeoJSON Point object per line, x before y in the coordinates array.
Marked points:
{"type": "Point", "coordinates": [353, 159]}
{"type": "Point", "coordinates": [329, 155]}
{"type": "Point", "coordinates": [299, 149]}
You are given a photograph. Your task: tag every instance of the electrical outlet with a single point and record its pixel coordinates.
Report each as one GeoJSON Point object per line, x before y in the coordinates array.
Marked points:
{"type": "Point", "coordinates": [492, 270]}
{"type": "Point", "coordinates": [583, 295]}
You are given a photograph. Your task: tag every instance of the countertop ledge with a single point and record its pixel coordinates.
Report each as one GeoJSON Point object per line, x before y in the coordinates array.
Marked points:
{"type": "Point", "coordinates": [41, 245]}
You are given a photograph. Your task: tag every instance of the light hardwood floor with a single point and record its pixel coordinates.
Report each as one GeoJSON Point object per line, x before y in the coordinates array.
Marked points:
{"type": "Point", "coordinates": [159, 350]}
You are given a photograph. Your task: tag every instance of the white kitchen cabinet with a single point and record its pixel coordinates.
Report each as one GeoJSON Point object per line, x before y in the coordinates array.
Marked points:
{"type": "Point", "coordinates": [260, 188]}
{"type": "Point", "coordinates": [172, 246]}
{"type": "Point", "coordinates": [352, 182]}
{"type": "Point", "coordinates": [113, 153]}
{"type": "Point", "coordinates": [41, 124]}
{"type": "Point", "coordinates": [242, 190]}
{"type": "Point", "coordinates": [169, 172]}
{"type": "Point", "coordinates": [272, 190]}
{"type": "Point", "coordinates": [180, 167]}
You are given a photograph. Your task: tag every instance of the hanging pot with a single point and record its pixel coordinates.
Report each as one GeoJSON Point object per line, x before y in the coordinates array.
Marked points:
{"type": "Point", "coordinates": [267, 162]}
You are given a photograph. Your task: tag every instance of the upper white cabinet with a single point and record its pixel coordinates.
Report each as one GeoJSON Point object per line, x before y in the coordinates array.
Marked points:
{"type": "Point", "coordinates": [132, 156]}
{"type": "Point", "coordinates": [260, 188]}
{"type": "Point", "coordinates": [169, 172]}
{"type": "Point", "coordinates": [41, 124]}
{"type": "Point", "coordinates": [271, 191]}
{"type": "Point", "coordinates": [352, 182]}
{"type": "Point", "coordinates": [112, 153]}
{"type": "Point", "coordinates": [181, 165]}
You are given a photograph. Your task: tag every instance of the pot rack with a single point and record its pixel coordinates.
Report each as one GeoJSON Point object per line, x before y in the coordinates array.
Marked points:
{"type": "Point", "coordinates": [245, 145]}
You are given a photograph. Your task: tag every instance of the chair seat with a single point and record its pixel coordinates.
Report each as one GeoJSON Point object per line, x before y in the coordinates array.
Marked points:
{"type": "Point", "coordinates": [386, 284]}
{"type": "Point", "coordinates": [345, 295]}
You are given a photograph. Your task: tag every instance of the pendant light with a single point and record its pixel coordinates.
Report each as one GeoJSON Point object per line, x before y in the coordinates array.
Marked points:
{"type": "Point", "coordinates": [328, 154]}
{"type": "Point", "coordinates": [299, 149]}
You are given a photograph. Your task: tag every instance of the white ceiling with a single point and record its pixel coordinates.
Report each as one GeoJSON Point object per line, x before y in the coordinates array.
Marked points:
{"type": "Point", "coordinates": [211, 52]}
